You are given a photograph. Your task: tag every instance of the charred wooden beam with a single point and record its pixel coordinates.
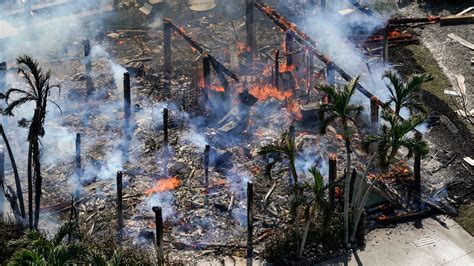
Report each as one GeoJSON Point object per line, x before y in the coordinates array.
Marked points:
{"type": "Point", "coordinates": [2, 184]}
{"type": "Point", "coordinates": [444, 21]}
{"type": "Point", "coordinates": [332, 181]}
{"type": "Point", "coordinates": [277, 70]}
{"type": "Point", "coordinates": [290, 47]}
{"type": "Point", "coordinates": [323, 5]}
{"type": "Point", "coordinates": [249, 220]}
{"type": "Point", "coordinates": [3, 74]}
{"type": "Point", "coordinates": [119, 206]}
{"type": "Point", "coordinates": [200, 48]}
{"type": "Point", "coordinates": [168, 56]}
{"type": "Point", "coordinates": [207, 150]}
{"type": "Point", "coordinates": [127, 105]}
{"type": "Point", "coordinates": [250, 29]}
{"type": "Point", "coordinates": [88, 67]}
{"type": "Point", "coordinates": [330, 74]}
{"type": "Point", "coordinates": [78, 156]}
{"type": "Point", "coordinates": [374, 114]}
{"type": "Point", "coordinates": [165, 127]}
{"type": "Point", "coordinates": [159, 233]}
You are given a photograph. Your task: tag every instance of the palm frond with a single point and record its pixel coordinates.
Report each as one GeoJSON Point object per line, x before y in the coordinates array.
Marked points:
{"type": "Point", "coordinates": [26, 257]}
{"type": "Point", "coordinates": [64, 254]}
{"type": "Point", "coordinates": [16, 103]}
{"type": "Point", "coordinates": [63, 231]}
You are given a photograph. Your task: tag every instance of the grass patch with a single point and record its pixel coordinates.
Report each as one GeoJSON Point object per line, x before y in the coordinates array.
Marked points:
{"type": "Point", "coordinates": [466, 218]}
{"type": "Point", "coordinates": [425, 59]}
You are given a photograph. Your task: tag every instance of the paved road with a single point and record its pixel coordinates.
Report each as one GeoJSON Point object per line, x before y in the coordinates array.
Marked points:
{"type": "Point", "coordinates": [437, 243]}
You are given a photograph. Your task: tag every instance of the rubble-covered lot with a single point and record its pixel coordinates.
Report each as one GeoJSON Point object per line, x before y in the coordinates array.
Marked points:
{"type": "Point", "coordinates": [205, 222]}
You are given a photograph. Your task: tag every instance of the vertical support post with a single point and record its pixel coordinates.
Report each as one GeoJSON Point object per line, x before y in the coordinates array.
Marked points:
{"type": "Point", "coordinates": [206, 69]}
{"type": "Point", "coordinates": [289, 47]}
{"type": "Point", "coordinates": [88, 67]}
{"type": "Point", "coordinates": [250, 29]}
{"type": "Point", "coordinates": [3, 70]}
{"type": "Point", "coordinates": [207, 150]}
{"type": "Point", "coordinates": [277, 69]}
{"type": "Point", "coordinates": [417, 167]}
{"type": "Point", "coordinates": [249, 220]}
{"type": "Point", "coordinates": [385, 43]}
{"type": "Point", "coordinates": [119, 206]}
{"type": "Point", "coordinates": [2, 184]}
{"type": "Point", "coordinates": [78, 155]}
{"type": "Point", "coordinates": [323, 5]}
{"type": "Point", "coordinates": [374, 114]}
{"type": "Point", "coordinates": [167, 67]}
{"type": "Point", "coordinates": [332, 180]}
{"type": "Point", "coordinates": [330, 74]}
{"type": "Point", "coordinates": [165, 127]}
{"type": "Point", "coordinates": [159, 233]}
{"type": "Point", "coordinates": [127, 104]}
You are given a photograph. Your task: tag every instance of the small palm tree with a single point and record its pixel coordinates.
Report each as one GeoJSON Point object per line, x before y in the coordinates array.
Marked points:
{"type": "Point", "coordinates": [287, 148]}
{"type": "Point", "coordinates": [98, 259]}
{"type": "Point", "coordinates": [406, 95]}
{"type": "Point", "coordinates": [316, 204]}
{"type": "Point", "coordinates": [35, 249]}
{"type": "Point", "coordinates": [38, 91]}
{"type": "Point", "coordinates": [394, 136]}
{"type": "Point", "coordinates": [339, 109]}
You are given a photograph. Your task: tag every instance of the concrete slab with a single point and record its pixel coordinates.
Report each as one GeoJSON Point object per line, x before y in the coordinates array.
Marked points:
{"type": "Point", "coordinates": [441, 242]}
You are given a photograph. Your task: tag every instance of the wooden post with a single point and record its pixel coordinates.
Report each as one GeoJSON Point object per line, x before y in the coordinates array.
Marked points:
{"type": "Point", "coordinates": [78, 155]}
{"type": "Point", "coordinates": [119, 206]}
{"type": "Point", "coordinates": [323, 5]}
{"type": "Point", "coordinates": [330, 74]}
{"type": "Point", "coordinates": [159, 233]}
{"type": "Point", "coordinates": [417, 168]}
{"type": "Point", "coordinates": [206, 69]}
{"type": "Point", "coordinates": [168, 56]}
{"type": "Point", "coordinates": [127, 104]}
{"type": "Point", "coordinates": [332, 180]}
{"type": "Point", "coordinates": [88, 67]}
{"type": "Point", "coordinates": [2, 184]}
{"type": "Point", "coordinates": [249, 220]}
{"type": "Point", "coordinates": [289, 46]}
{"type": "Point", "coordinates": [250, 29]}
{"type": "Point", "coordinates": [374, 114]}
{"type": "Point", "coordinates": [165, 127]}
{"type": "Point", "coordinates": [3, 73]}
{"type": "Point", "coordinates": [385, 43]}
{"type": "Point", "coordinates": [206, 165]}
{"type": "Point", "coordinates": [277, 69]}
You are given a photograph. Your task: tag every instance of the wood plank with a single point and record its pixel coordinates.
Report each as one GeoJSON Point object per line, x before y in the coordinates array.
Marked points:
{"type": "Point", "coordinates": [461, 41]}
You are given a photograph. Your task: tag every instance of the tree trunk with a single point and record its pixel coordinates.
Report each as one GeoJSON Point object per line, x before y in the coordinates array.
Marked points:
{"type": "Point", "coordinates": [294, 205]}
{"type": "Point", "coordinates": [305, 232]}
{"type": "Point", "coordinates": [347, 184]}
{"type": "Point", "coordinates": [19, 192]}
{"type": "Point", "coordinates": [38, 181]}
{"type": "Point", "coordinates": [30, 188]}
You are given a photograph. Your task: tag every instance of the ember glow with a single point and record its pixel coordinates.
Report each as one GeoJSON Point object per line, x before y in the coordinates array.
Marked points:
{"type": "Point", "coordinates": [264, 92]}
{"type": "Point", "coordinates": [163, 185]}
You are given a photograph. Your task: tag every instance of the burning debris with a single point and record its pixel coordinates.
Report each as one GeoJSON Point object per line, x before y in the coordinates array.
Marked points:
{"type": "Point", "coordinates": [216, 151]}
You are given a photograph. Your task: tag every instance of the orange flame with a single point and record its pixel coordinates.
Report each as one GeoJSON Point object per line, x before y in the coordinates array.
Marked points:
{"type": "Point", "coordinates": [218, 88]}
{"type": "Point", "coordinates": [164, 185]}
{"type": "Point", "coordinates": [267, 91]}
{"type": "Point", "coordinates": [294, 108]}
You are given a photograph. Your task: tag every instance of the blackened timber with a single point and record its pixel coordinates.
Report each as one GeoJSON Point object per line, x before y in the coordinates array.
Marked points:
{"type": "Point", "coordinates": [88, 67]}
{"type": "Point", "coordinates": [127, 104]}
{"type": "Point", "coordinates": [289, 46]}
{"type": "Point", "coordinates": [206, 165]}
{"type": "Point", "coordinates": [2, 184]}
{"type": "Point", "coordinates": [119, 206]}
{"type": "Point", "coordinates": [277, 69]}
{"type": "Point", "coordinates": [332, 181]}
{"type": "Point", "coordinates": [249, 220]}
{"type": "Point", "coordinates": [78, 155]}
{"type": "Point", "coordinates": [167, 68]}
{"type": "Point", "coordinates": [159, 233]}
{"type": "Point", "coordinates": [250, 29]}
{"type": "Point", "coordinates": [200, 48]}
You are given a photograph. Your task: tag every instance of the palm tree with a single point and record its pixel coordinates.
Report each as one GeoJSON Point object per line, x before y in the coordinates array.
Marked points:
{"type": "Point", "coordinates": [38, 91]}
{"type": "Point", "coordinates": [339, 109]}
{"type": "Point", "coordinates": [98, 259]}
{"type": "Point", "coordinates": [394, 136]}
{"type": "Point", "coordinates": [316, 204]}
{"type": "Point", "coordinates": [35, 249]}
{"type": "Point", "coordinates": [286, 147]}
{"type": "Point", "coordinates": [406, 95]}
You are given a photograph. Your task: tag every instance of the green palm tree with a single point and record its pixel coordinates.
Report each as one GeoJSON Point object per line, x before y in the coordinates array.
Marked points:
{"type": "Point", "coordinates": [35, 249]}
{"type": "Point", "coordinates": [98, 259]}
{"type": "Point", "coordinates": [394, 136]}
{"type": "Point", "coordinates": [406, 94]}
{"type": "Point", "coordinates": [339, 109]}
{"type": "Point", "coordinates": [287, 148]}
{"type": "Point", "coordinates": [316, 204]}
{"type": "Point", "coordinates": [39, 89]}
